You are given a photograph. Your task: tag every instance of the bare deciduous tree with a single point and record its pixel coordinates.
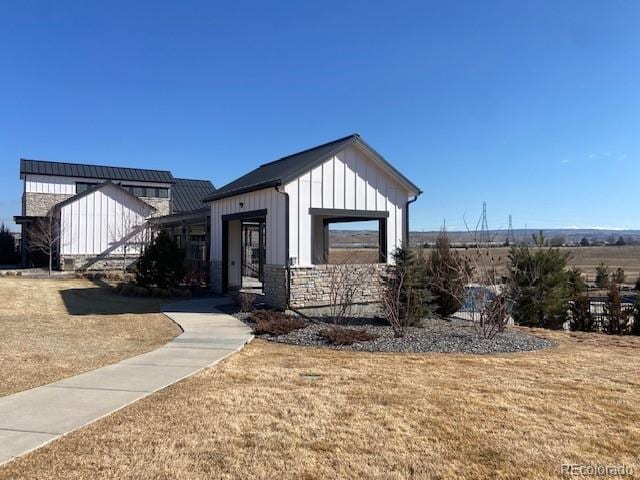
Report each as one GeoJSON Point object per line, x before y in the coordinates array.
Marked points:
{"type": "Point", "coordinates": [392, 300]}
{"type": "Point", "coordinates": [44, 237]}
{"type": "Point", "coordinates": [345, 284]}
{"type": "Point", "coordinates": [131, 234]}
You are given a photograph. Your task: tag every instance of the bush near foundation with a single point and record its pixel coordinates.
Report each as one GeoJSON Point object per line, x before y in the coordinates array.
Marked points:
{"type": "Point", "coordinates": [161, 264]}
{"type": "Point", "coordinates": [275, 323]}
{"type": "Point", "coordinates": [346, 336]}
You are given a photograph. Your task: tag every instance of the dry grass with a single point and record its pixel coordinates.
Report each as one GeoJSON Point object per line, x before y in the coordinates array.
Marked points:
{"type": "Point", "coordinates": [588, 258]}
{"type": "Point", "coordinates": [276, 411]}
{"type": "Point", "coordinates": [53, 329]}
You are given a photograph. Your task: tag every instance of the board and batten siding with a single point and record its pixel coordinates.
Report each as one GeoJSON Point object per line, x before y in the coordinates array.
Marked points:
{"type": "Point", "coordinates": [67, 185]}
{"type": "Point", "coordinates": [350, 180]}
{"type": "Point", "coordinates": [96, 223]}
{"type": "Point", "coordinates": [276, 224]}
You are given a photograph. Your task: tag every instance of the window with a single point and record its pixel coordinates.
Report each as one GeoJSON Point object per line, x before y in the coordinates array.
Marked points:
{"type": "Point", "coordinates": [150, 192]}
{"type": "Point", "coordinates": [348, 240]}
{"type": "Point", "coordinates": [83, 186]}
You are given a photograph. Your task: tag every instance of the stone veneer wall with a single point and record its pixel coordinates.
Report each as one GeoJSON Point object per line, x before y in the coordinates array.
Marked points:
{"type": "Point", "coordinates": [275, 285]}
{"type": "Point", "coordinates": [163, 205]}
{"type": "Point", "coordinates": [39, 204]}
{"type": "Point", "coordinates": [215, 276]}
{"type": "Point", "coordinates": [93, 262]}
{"type": "Point", "coordinates": [311, 286]}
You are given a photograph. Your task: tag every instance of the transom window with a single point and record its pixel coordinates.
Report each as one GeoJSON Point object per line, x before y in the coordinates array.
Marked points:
{"type": "Point", "coordinates": [84, 186]}
{"type": "Point", "coordinates": [153, 192]}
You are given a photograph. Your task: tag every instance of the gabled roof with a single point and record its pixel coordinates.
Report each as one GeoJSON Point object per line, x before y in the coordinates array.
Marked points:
{"type": "Point", "coordinates": [188, 194]}
{"type": "Point", "coordinates": [290, 167]}
{"type": "Point", "coordinates": [100, 186]}
{"type": "Point", "coordinates": [62, 169]}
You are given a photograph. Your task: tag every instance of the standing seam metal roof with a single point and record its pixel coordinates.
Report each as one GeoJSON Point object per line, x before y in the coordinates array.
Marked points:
{"type": "Point", "coordinates": [287, 168]}
{"type": "Point", "coordinates": [62, 169]}
{"type": "Point", "coordinates": [188, 194]}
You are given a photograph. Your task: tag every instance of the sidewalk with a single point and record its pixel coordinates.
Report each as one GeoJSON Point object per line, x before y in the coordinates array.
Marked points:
{"type": "Point", "coordinates": [35, 417]}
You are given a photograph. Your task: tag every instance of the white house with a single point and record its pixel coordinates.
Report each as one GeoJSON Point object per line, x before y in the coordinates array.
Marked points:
{"type": "Point", "coordinates": [102, 214]}
{"type": "Point", "coordinates": [269, 228]}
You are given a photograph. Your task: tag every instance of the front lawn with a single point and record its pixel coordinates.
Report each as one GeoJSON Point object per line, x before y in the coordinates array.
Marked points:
{"type": "Point", "coordinates": [52, 329]}
{"type": "Point", "coordinates": [280, 411]}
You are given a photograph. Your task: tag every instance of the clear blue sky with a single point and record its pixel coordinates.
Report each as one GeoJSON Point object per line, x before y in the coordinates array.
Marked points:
{"type": "Point", "coordinates": [531, 106]}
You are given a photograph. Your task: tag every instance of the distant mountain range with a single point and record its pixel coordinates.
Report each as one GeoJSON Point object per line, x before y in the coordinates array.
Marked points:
{"type": "Point", "coordinates": [558, 236]}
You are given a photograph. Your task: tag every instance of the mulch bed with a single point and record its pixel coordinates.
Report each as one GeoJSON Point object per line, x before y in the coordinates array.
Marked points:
{"type": "Point", "coordinates": [437, 336]}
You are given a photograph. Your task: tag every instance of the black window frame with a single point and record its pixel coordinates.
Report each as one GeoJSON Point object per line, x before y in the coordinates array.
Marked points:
{"type": "Point", "coordinates": [85, 186]}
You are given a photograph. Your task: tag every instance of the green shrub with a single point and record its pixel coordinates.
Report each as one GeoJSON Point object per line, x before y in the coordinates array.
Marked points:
{"type": "Point", "coordinates": [538, 286]}
{"type": "Point", "coordinates": [8, 251]}
{"type": "Point", "coordinates": [346, 336]}
{"type": "Point", "coordinates": [618, 276]}
{"type": "Point", "coordinates": [635, 328]}
{"type": "Point", "coordinates": [614, 312]}
{"type": "Point", "coordinates": [447, 272]}
{"type": "Point", "coordinates": [405, 295]}
{"type": "Point", "coordinates": [602, 275]}
{"type": "Point", "coordinates": [162, 263]}
{"type": "Point", "coordinates": [275, 323]}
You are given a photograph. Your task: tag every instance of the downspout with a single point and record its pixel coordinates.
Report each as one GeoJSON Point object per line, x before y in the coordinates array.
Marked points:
{"type": "Point", "coordinates": [406, 220]}
{"type": "Point", "coordinates": [286, 244]}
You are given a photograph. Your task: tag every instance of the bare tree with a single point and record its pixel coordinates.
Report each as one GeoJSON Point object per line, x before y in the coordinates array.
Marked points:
{"type": "Point", "coordinates": [483, 296]}
{"type": "Point", "coordinates": [346, 281]}
{"type": "Point", "coordinates": [44, 237]}
{"type": "Point", "coordinates": [131, 234]}
{"type": "Point", "coordinates": [392, 300]}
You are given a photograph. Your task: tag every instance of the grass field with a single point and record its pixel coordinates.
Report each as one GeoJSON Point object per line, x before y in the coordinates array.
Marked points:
{"type": "Point", "coordinates": [586, 258]}
{"type": "Point", "coordinates": [259, 415]}
{"type": "Point", "coordinates": [53, 329]}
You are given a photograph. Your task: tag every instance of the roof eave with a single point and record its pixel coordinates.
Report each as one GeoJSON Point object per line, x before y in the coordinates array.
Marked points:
{"type": "Point", "coordinates": [240, 191]}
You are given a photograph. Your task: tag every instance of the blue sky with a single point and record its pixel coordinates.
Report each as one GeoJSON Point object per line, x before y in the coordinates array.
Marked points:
{"type": "Point", "coordinates": [531, 106]}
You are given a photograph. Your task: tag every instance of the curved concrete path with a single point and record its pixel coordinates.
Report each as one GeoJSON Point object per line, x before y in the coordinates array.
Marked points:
{"type": "Point", "coordinates": [32, 418]}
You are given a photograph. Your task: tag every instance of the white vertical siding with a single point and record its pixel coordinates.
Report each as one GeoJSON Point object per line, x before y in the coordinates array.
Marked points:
{"type": "Point", "coordinates": [96, 223]}
{"type": "Point", "coordinates": [67, 185]}
{"type": "Point", "coordinates": [268, 199]}
{"type": "Point", "coordinates": [350, 180]}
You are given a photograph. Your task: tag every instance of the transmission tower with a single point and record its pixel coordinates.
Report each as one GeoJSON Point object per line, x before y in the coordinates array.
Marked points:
{"type": "Point", "coordinates": [511, 238]}
{"type": "Point", "coordinates": [484, 228]}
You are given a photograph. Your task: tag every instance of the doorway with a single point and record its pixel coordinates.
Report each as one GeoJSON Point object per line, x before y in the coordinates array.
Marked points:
{"type": "Point", "coordinates": [253, 253]}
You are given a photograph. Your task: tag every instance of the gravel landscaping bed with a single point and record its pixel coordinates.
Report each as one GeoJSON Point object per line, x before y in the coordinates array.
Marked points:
{"type": "Point", "coordinates": [437, 335]}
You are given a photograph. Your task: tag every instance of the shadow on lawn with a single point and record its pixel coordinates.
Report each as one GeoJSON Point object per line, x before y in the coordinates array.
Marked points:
{"type": "Point", "coordinates": [102, 301]}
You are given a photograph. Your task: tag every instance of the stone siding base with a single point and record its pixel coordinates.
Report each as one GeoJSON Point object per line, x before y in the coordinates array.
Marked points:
{"type": "Point", "coordinates": [313, 288]}
{"type": "Point", "coordinates": [216, 276]}
{"type": "Point", "coordinates": [275, 286]}
{"type": "Point", "coordinates": [79, 263]}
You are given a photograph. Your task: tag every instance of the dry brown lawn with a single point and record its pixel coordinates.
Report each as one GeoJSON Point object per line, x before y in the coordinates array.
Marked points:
{"type": "Point", "coordinates": [53, 329]}
{"type": "Point", "coordinates": [381, 416]}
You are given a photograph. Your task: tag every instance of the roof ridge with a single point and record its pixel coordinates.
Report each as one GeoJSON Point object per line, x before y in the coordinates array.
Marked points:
{"type": "Point", "coordinates": [94, 165]}
{"type": "Point", "coordinates": [312, 148]}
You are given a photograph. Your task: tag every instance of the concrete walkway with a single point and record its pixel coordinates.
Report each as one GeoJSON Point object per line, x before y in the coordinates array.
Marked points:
{"type": "Point", "coordinates": [35, 417]}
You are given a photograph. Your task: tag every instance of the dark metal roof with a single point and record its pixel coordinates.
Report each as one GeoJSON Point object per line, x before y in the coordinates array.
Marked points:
{"type": "Point", "coordinates": [188, 195]}
{"type": "Point", "coordinates": [61, 169]}
{"type": "Point", "coordinates": [288, 168]}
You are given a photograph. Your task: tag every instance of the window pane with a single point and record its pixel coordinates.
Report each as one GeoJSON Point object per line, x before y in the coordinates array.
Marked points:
{"type": "Point", "coordinates": [139, 191]}
{"type": "Point", "coordinates": [163, 192]}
